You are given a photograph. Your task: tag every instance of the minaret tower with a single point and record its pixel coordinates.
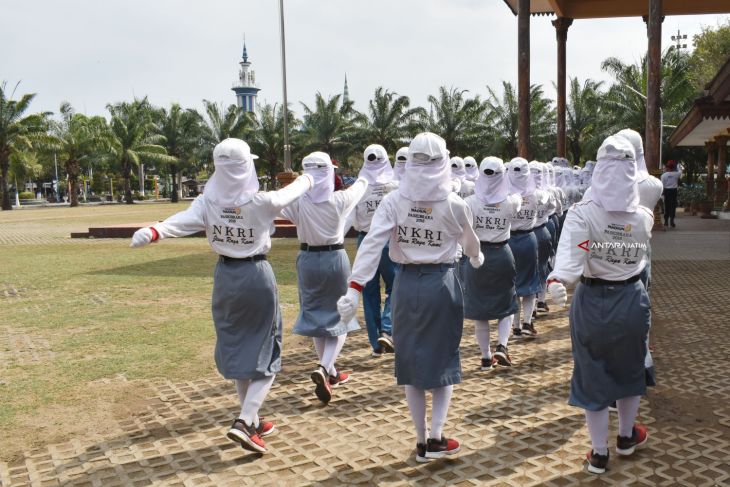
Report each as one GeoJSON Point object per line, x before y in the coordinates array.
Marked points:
{"type": "Point", "coordinates": [345, 93]}
{"type": "Point", "coordinates": [245, 88]}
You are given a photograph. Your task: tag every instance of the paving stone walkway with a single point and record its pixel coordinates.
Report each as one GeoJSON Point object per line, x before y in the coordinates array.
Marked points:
{"type": "Point", "coordinates": [514, 424]}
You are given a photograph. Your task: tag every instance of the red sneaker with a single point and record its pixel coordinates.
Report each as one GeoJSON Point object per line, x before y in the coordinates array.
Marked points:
{"type": "Point", "coordinates": [247, 436]}
{"type": "Point", "coordinates": [265, 428]}
{"type": "Point", "coordinates": [340, 378]}
{"type": "Point", "coordinates": [439, 448]}
{"type": "Point", "coordinates": [323, 389]}
{"type": "Point", "coordinates": [626, 446]}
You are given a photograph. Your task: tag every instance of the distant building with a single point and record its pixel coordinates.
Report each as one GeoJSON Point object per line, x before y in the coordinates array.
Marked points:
{"type": "Point", "coordinates": [245, 87]}
{"type": "Point", "coordinates": [345, 93]}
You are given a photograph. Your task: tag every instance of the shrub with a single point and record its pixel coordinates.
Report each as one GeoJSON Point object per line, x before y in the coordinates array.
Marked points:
{"type": "Point", "coordinates": [26, 195]}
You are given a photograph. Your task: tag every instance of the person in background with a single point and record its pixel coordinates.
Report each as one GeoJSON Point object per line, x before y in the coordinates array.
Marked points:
{"type": "Point", "coordinates": [670, 181]}
{"type": "Point", "coordinates": [472, 169]}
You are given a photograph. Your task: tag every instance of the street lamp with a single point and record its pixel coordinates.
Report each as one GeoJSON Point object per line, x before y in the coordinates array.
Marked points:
{"type": "Point", "coordinates": [287, 147]}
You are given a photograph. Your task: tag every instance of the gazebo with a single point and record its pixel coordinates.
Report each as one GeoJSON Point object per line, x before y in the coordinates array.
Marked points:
{"type": "Point", "coordinates": [652, 11]}
{"type": "Point", "coordinates": [707, 124]}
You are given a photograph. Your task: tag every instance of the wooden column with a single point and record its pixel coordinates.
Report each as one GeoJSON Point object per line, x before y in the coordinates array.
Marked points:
{"type": "Point", "coordinates": [561, 25]}
{"type": "Point", "coordinates": [523, 78]}
{"type": "Point", "coordinates": [710, 182]}
{"type": "Point", "coordinates": [721, 192]}
{"type": "Point", "coordinates": [653, 95]}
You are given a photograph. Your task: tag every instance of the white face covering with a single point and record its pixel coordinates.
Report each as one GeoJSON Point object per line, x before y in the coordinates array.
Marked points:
{"type": "Point", "coordinates": [400, 163]}
{"type": "Point", "coordinates": [376, 166]}
{"type": "Point", "coordinates": [492, 185]}
{"type": "Point", "coordinates": [635, 139]}
{"type": "Point", "coordinates": [457, 168]}
{"type": "Point", "coordinates": [428, 172]}
{"type": "Point", "coordinates": [320, 167]}
{"type": "Point", "coordinates": [234, 181]}
{"type": "Point", "coordinates": [550, 175]}
{"type": "Point", "coordinates": [537, 171]}
{"type": "Point", "coordinates": [560, 162]}
{"type": "Point", "coordinates": [470, 166]}
{"type": "Point", "coordinates": [520, 179]}
{"type": "Point", "coordinates": [615, 181]}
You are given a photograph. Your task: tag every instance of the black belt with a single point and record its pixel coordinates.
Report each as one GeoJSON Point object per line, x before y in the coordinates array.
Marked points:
{"type": "Point", "coordinates": [243, 259]}
{"type": "Point", "coordinates": [428, 267]}
{"type": "Point", "coordinates": [520, 232]}
{"type": "Point", "coordinates": [320, 248]}
{"type": "Point", "coordinates": [494, 244]}
{"type": "Point", "coordinates": [594, 281]}
{"type": "Point", "coordinates": [362, 234]}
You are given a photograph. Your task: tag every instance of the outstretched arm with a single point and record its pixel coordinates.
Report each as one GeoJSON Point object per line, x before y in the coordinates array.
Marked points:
{"type": "Point", "coordinates": [180, 224]}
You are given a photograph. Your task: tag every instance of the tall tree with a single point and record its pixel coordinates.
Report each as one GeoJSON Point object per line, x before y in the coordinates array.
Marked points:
{"type": "Point", "coordinates": [457, 118]}
{"type": "Point", "coordinates": [584, 118]}
{"type": "Point", "coordinates": [225, 122]}
{"type": "Point", "coordinates": [134, 139]}
{"type": "Point", "coordinates": [329, 128]}
{"type": "Point", "coordinates": [18, 132]}
{"type": "Point", "coordinates": [184, 135]}
{"type": "Point", "coordinates": [391, 120]}
{"type": "Point", "coordinates": [712, 47]}
{"type": "Point", "coordinates": [267, 139]}
{"type": "Point", "coordinates": [77, 138]}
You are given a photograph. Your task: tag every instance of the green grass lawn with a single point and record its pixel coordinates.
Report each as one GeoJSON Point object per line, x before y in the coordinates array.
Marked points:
{"type": "Point", "coordinates": [86, 322]}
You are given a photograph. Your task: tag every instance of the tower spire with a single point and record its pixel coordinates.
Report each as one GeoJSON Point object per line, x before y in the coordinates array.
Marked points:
{"type": "Point", "coordinates": [245, 52]}
{"type": "Point", "coordinates": [345, 93]}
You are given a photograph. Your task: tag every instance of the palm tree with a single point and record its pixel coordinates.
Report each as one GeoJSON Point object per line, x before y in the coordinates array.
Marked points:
{"type": "Point", "coordinates": [584, 114]}
{"type": "Point", "coordinates": [500, 129]}
{"type": "Point", "coordinates": [23, 166]}
{"type": "Point", "coordinates": [391, 121]}
{"type": "Point", "coordinates": [18, 133]}
{"type": "Point", "coordinates": [457, 119]}
{"type": "Point", "coordinates": [184, 136]}
{"type": "Point", "coordinates": [329, 127]}
{"type": "Point", "coordinates": [76, 139]}
{"type": "Point", "coordinates": [223, 123]}
{"type": "Point", "coordinates": [267, 139]}
{"type": "Point", "coordinates": [134, 139]}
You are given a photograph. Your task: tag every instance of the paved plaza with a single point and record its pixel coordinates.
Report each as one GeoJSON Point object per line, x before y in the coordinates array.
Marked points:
{"type": "Point", "coordinates": [514, 424]}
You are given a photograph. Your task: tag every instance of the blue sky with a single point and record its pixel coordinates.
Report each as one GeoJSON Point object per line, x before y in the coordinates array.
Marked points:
{"type": "Point", "coordinates": [91, 53]}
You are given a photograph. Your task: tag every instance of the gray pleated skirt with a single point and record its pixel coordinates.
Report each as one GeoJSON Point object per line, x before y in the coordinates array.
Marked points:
{"type": "Point", "coordinates": [544, 252]}
{"type": "Point", "coordinates": [608, 330]}
{"type": "Point", "coordinates": [489, 292]}
{"type": "Point", "coordinates": [553, 229]}
{"type": "Point", "coordinates": [461, 266]}
{"type": "Point", "coordinates": [322, 280]}
{"type": "Point", "coordinates": [524, 249]}
{"type": "Point", "coordinates": [428, 320]}
{"type": "Point", "coordinates": [247, 319]}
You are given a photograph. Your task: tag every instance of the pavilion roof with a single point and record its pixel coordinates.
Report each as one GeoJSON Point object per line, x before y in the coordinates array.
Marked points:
{"type": "Point", "coordinates": [591, 9]}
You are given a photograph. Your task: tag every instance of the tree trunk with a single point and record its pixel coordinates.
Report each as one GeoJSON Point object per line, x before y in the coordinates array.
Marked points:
{"type": "Point", "coordinates": [72, 170]}
{"type": "Point", "coordinates": [576, 152]}
{"type": "Point", "coordinates": [173, 196]}
{"type": "Point", "coordinates": [4, 162]}
{"type": "Point", "coordinates": [127, 186]}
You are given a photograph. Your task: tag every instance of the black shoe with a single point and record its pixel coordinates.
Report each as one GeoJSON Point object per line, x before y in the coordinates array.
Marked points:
{"type": "Point", "coordinates": [502, 356]}
{"type": "Point", "coordinates": [437, 448]}
{"type": "Point", "coordinates": [528, 329]}
{"type": "Point", "coordinates": [516, 332]}
{"type": "Point", "coordinates": [542, 307]}
{"type": "Point", "coordinates": [672, 225]}
{"type": "Point", "coordinates": [247, 436]}
{"type": "Point", "coordinates": [625, 446]}
{"type": "Point", "coordinates": [323, 389]}
{"type": "Point", "coordinates": [489, 363]}
{"type": "Point", "coordinates": [534, 314]}
{"type": "Point", "coordinates": [386, 343]}
{"type": "Point", "coordinates": [421, 453]}
{"type": "Point", "coordinates": [597, 463]}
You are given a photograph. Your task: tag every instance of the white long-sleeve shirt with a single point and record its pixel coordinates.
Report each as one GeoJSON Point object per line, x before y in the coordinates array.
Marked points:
{"type": "Point", "coordinates": [650, 190]}
{"type": "Point", "coordinates": [466, 189]}
{"type": "Point", "coordinates": [324, 223]}
{"type": "Point", "coordinates": [492, 223]}
{"type": "Point", "coordinates": [670, 179]}
{"type": "Point", "coordinates": [425, 232]}
{"type": "Point", "coordinates": [544, 211]}
{"type": "Point", "coordinates": [559, 196]}
{"type": "Point", "coordinates": [602, 244]}
{"type": "Point", "coordinates": [363, 213]}
{"type": "Point", "coordinates": [235, 232]}
{"type": "Point", "coordinates": [527, 216]}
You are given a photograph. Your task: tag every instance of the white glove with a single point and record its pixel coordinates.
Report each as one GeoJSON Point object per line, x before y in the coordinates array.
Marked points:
{"type": "Point", "coordinates": [141, 237]}
{"type": "Point", "coordinates": [347, 305]}
{"type": "Point", "coordinates": [558, 293]}
{"type": "Point", "coordinates": [459, 253]}
{"type": "Point", "coordinates": [476, 262]}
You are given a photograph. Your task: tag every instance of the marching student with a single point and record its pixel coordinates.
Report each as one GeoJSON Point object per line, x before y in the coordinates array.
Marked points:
{"type": "Point", "coordinates": [670, 180]}
{"type": "Point", "coordinates": [323, 267]}
{"type": "Point", "coordinates": [237, 219]}
{"type": "Point", "coordinates": [554, 221]}
{"type": "Point", "coordinates": [379, 175]}
{"type": "Point", "coordinates": [424, 222]}
{"type": "Point", "coordinates": [545, 251]}
{"type": "Point", "coordinates": [471, 168]}
{"type": "Point", "coordinates": [523, 243]}
{"type": "Point", "coordinates": [489, 290]}
{"type": "Point", "coordinates": [400, 163]}
{"type": "Point", "coordinates": [603, 244]}
{"type": "Point", "coordinates": [458, 174]}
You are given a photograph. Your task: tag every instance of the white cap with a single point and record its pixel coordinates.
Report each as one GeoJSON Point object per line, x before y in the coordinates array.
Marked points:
{"type": "Point", "coordinates": [427, 147]}
{"type": "Point", "coordinates": [375, 153]}
{"type": "Point", "coordinates": [232, 151]}
{"type": "Point", "coordinates": [616, 148]}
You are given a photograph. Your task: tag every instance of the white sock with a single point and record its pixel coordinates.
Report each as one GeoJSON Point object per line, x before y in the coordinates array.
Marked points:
{"type": "Point", "coordinates": [516, 316]}
{"type": "Point", "coordinates": [628, 408]}
{"type": "Point", "coordinates": [503, 330]}
{"type": "Point", "coordinates": [541, 295]}
{"type": "Point", "coordinates": [416, 399]}
{"type": "Point", "coordinates": [319, 343]}
{"type": "Point", "coordinates": [332, 348]}
{"type": "Point", "coordinates": [255, 396]}
{"type": "Point", "coordinates": [441, 397]}
{"type": "Point", "coordinates": [597, 422]}
{"type": "Point", "coordinates": [241, 388]}
{"type": "Point", "coordinates": [528, 304]}
{"type": "Point", "coordinates": [481, 330]}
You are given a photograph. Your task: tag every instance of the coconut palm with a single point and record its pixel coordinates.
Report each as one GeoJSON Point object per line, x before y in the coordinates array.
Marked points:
{"type": "Point", "coordinates": [76, 139]}
{"type": "Point", "coordinates": [134, 139]}
{"type": "Point", "coordinates": [18, 133]}
{"type": "Point", "coordinates": [391, 122]}
{"type": "Point", "coordinates": [584, 118]}
{"type": "Point", "coordinates": [457, 118]}
{"type": "Point", "coordinates": [224, 122]}
{"type": "Point", "coordinates": [267, 139]}
{"type": "Point", "coordinates": [184, 139]}
{"type": "Point", "coordinates": [329, 127]}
